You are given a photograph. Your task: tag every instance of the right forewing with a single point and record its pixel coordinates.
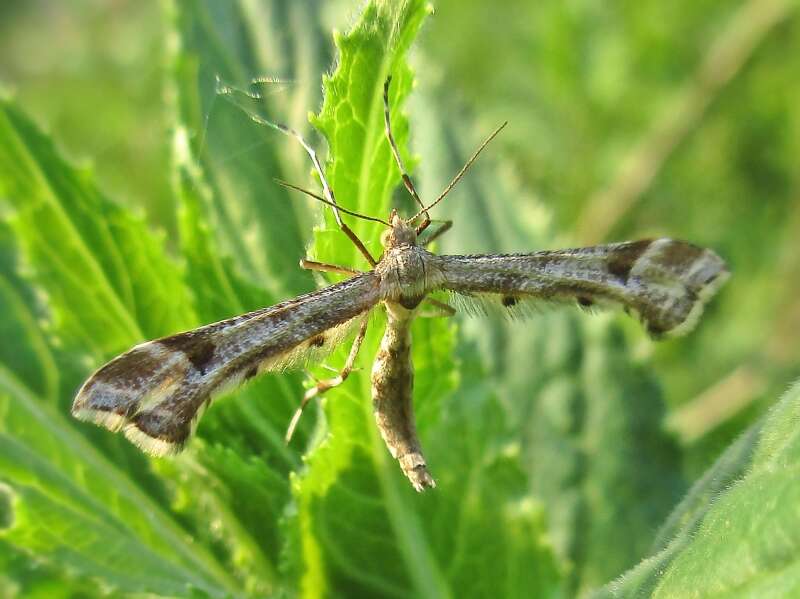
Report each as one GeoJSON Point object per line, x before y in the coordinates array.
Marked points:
{"type": "Point", "coordinates": [154, 392]}
{"type": "Point", "coordinates": [666, 282]}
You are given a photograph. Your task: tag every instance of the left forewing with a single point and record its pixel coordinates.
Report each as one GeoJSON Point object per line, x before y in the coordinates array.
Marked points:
{"type": "Point", "coordinates": [155, 391]}
{"type": "Point", "coordinates": [666, 282]}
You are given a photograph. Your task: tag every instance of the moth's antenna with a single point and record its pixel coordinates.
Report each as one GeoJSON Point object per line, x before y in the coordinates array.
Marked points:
{"type": "Point", "coordinates": [396, 153]}
{"type": "Point", "coordinates": [460, 174]}
{"type": "Point", "coordinates": [326, 188]}
{"type": "Point", "coordinates": [324, 201]}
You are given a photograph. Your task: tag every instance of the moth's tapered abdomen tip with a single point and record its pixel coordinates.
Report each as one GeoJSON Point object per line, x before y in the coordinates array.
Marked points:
{"type": "Point", "coordinates": [421, 479]}
{"type": "Point", "coordinates": [416, 470]}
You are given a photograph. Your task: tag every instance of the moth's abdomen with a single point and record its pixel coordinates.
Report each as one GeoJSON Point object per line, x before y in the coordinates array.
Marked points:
{"type": "Point", "coordinates": [392, 383]}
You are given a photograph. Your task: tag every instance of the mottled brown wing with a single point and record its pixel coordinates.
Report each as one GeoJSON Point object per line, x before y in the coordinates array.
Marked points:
{"type": "Point", "coordinates": [155, 391]}
{"type": "Point", "coordinates": [666, 282]}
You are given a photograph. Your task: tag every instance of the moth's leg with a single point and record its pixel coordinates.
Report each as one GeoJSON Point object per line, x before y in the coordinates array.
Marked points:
{"type": "Point", "coordinates": [396, 153]}
{"type": "Point", "coordinates": [443, 309]}
{"type": "Point", "coordinates": [324, 385]}
{"type": "Point", "coordinates": [325, 267]}
{"type": "Point", "coordinates": [443, 228]}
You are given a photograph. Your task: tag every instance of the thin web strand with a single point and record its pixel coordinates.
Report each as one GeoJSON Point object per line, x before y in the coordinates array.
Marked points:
{"type": "Point", "coordinates": [326, 188]}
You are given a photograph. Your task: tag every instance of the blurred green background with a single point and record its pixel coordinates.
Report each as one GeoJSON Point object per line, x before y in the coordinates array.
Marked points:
{"type": "Point", "coordinates": [626, 120]}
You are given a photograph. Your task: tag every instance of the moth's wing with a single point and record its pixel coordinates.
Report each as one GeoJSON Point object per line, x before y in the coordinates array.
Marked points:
{"type": "Point", "coordinates": [155, 391]}
{"type": "Point", "coordinates": [665, 282]}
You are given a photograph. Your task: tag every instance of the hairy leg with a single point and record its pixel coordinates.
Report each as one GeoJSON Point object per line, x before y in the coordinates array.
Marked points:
{"type": "Point", "coordinates": [324, 385]}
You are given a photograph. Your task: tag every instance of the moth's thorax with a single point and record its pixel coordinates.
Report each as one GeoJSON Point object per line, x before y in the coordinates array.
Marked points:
{"type": "Point", "coordinates": [408, 273]}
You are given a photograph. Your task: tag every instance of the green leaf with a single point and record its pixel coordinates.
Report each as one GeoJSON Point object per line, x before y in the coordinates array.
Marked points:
{"type": "Point", "coordinates": [731, 536]}
{"type": "Point", "coordinates": [241, 237]}
{"type": "Point", "coordinates": [71, 506]}
{"type": "Point", "coordinates": [250, 217]}
{"type": "Point", "coordinates": [21, 575]}
{"type": "Point", "coordinates": [29, 356]}
{"type": "Point", "coordinates": [109, 282]}
{"type": "Point", "coordinates": [352, 463]}
{"type": "Point", "coordinates": [76, 510]}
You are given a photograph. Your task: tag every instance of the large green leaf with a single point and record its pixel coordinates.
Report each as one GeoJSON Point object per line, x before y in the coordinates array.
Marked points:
{"type": "Point", "coordinates": [29, 357]}
{"type": "Point", "coordinates": [241, 237]}
{"type": "Point", "coordinates": [23, 576]}
{"type": "Point", "coordinates": [393, 555]}
{"type": "Point", "coordinates": [733, 535]}
{"type": "Point", "coordinates": [102, 275]}
{"type": "Point", "coordinates": [109, 282]}
{"type": "Point", "coordinates": [73, 508]}
{"type": "Point", "coordinates": [251, 217]}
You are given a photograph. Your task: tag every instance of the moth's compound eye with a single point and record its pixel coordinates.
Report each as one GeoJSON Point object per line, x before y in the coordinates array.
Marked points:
{"type": "Point", "coordinates": [385, 237]}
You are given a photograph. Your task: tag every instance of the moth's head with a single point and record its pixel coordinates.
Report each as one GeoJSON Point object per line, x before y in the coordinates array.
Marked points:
{"type": "Point", "coordinates": [400, 232]}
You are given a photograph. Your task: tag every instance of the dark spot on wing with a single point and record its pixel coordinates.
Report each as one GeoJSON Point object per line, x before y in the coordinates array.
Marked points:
{"type": "Point", "coordinates": [253, 371]}
{"type": "Point", "coordinates": [164, 426]}
{"type": "Point", "coordinates": [133, 370]}
{"type": "Point", "coordinates": [196, 347]}
{"type": "Point", "coordinates": [622, 258]}
{"type": "Point", "coordinates": [317, 341]}
{"type": "Point", "coordinates": [585, 302]}
{"type": "Point", "coordinates": [678, 255]}
{"type": "Point", "coordinates": [509, 300]}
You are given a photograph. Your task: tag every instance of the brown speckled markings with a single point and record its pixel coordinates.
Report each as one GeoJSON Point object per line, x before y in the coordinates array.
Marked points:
{"type": "Point", "coordinates": [155, 391]}
{"type": "Point", "coordinates": [665, 281]}
{"type": "Point", "coordinates": [392, 402]}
